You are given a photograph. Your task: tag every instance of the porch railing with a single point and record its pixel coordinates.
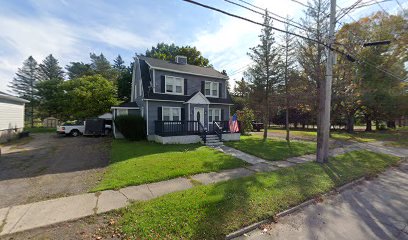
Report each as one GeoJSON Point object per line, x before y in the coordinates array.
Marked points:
{"type": "Point", "coordinates": [177, 128]}
{"type": "Point", "coordinates": [220, 126]}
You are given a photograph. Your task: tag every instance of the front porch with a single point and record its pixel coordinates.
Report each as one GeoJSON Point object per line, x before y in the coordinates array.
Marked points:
{"type": "Point", "coordinates": [185, 132]}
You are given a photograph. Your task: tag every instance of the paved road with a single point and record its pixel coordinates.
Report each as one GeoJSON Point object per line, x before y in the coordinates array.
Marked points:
{"type": "Point", "coordinates": [48, 166]}
{"type": "Point", "coordinates": [376, 209]}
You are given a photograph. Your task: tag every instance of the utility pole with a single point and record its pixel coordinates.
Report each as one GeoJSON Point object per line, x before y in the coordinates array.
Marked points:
{"type": "Point", "coordinates": [323, 130]}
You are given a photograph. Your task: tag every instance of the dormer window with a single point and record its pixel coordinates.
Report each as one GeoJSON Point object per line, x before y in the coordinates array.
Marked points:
{"type": "Point", "coordinates": [174, 85]}
{"type": "Point", "coordinates": [211, 89]}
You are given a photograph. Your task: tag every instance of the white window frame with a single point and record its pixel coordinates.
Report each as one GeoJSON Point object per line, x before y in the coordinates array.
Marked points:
{"type": "Point", "coordinates": [171, 116]}
{"type": "Point", "coordinates": [213, 86]}
{"type": "Point", "coordinates": [211, 113]}
{"type": "Point", "coordinates": [174, 85]}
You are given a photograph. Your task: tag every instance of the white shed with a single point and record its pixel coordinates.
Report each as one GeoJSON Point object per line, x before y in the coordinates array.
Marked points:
{"type": "Point", "coordinates": [11, 115]}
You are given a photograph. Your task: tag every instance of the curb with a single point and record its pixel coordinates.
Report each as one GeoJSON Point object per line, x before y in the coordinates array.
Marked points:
{"type": "Point", "coordinates": [251, 227]}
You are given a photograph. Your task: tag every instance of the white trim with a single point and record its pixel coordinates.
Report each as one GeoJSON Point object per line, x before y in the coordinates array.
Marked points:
{"type": "Point", "coordinates": [171, 113]}
{"type": "Point", "coordinates": [147, 118]}
{"type": "Point", "coordinates": [211, 89]}
{"type": "Point", "coordinates": [194, 114]}
{"type": "Point", "coordinates": [229, 112]}
{"type": "Point", "coordinates": [174, 85]}
{"type": "Point", "coordinates": [219, 109]}
{"type": "Point", "coordinates": [176, 71]}
{"type": "Point", "coordinates": [154, 81]}
{"type": "Point", "coordinates": [227, 104]}
{"type": "Point", "coordinates": [198, 98]}
{"type": "Point", "coordinates": [160, 100]}
{"type": "Point", "coordinates": [188, 114]}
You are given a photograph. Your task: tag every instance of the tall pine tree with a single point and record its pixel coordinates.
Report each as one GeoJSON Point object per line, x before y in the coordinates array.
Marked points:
{"type": "Point", "coordinates": [124, 79]}
{"type": "Point", "coordinates": [24, 85]}
{"type": "Point", "coordinates": [50, 92]}
{"type": "Point", "coordinates": [265, 73]}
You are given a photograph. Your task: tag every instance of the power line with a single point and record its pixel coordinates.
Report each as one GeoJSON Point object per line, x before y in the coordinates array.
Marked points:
{"type": "Point", "coordinates": [348, 56]}
{"type": "Point", "coordinates": [399, 4]}
{"type": "Point", "coordinates": [381, 7]}
{"type": "Point", "coordinates": [252, 10]}
{"type": "Point", "coordinates": [277, 15]}
{"type": "Point", "coordinates": [252, 21]}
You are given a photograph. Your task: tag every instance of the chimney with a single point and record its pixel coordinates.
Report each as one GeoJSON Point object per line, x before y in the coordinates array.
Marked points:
{"type": "Point", "coordinates": [181, 60]}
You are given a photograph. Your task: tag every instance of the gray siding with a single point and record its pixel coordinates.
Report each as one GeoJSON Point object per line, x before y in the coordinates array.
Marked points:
{"type": "Point", "coordinates": [193, 82]}
{"type": "Point", "coordinates": [153, 112]}
{"type": "Point", "coordinates": [11, 114]}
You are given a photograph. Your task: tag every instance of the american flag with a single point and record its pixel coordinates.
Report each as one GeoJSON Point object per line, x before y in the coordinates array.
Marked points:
{"type": "Point", "coordinates": [233, 124]}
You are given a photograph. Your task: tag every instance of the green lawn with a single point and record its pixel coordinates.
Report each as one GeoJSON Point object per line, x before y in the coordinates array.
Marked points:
{"type": "Point", "coordinates": [212, 211]}
{"type": "Point", "coordinates": [273, 149]}
{"type": "Point", "coordinates": [397, 138]}
{"type": "Point", "coordinates": [134, 163]}
{"type": "Point", "coordinates": [39, 129]}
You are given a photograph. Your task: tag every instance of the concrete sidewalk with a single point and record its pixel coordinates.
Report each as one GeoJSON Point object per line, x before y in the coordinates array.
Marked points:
{"type": "Point", "coordinates": [23, 217]}
{"type": "Point", "coordinates": [375, 209]}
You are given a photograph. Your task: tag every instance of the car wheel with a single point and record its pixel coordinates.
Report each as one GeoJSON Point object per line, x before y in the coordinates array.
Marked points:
{"type": "Point", "coordinates": [75, 133]}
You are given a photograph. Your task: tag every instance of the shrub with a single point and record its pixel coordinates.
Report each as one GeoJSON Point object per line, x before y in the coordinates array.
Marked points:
{"type": "Point", "coordinates": [245, 117]}
{"type": "Point", "coordinates": [131, 126]}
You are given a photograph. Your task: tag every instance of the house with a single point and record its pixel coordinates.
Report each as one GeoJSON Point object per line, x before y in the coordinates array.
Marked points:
{"type": "Point", "coordinates": [181, 103]}
{"type": "Point", "coordinates": [11, 116]}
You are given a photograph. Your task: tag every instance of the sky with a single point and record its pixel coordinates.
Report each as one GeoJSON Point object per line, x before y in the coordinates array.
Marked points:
{"type": "Point", "coordinates": [71, 29]}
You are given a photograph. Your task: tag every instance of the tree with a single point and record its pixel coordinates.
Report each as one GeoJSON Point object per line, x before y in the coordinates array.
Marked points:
{"type": "Point", "coordinates": [288, 55]}
{"type": "Point", "coordinates": [50, 69]}
{"type": "Point", "coordinates": [311, 55]}
{"type": "Point", "coordinates": [124, 79]}
{"type": "Point", "coordinates": [170, 51]}
{"type": "Point", "coordinates": [101, 65]}
{"type": "Point", "coordinates": [50, 92]}
{"type": "Point", "coordinates": [78, 69]}
{"type": "Point", "coordinates": [24, 85]}
{"type": "Point", "coordinates": [265, 74]}
{"type": "Point", "coordinates": [88, 96]}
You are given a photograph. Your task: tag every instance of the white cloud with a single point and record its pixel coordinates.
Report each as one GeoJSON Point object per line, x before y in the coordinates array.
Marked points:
{"type": "Point", "coordinates": [227, 46]}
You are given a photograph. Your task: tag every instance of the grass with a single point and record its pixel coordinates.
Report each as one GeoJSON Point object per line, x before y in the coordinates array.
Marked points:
{"type": "Point", "coordinates": [273, 149]}
{"type": "Point", "coordinates": [39, 129]}
{"type": "Point", "coordinates": [212, 211]}
{"type": "Point", "coordinates": [134, 163]}
{"type": "Point", "coordinates": [396, 138]}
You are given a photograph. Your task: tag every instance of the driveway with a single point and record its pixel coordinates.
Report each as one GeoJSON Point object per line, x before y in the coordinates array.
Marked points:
{"type": "Point", "coordinates": [46, 166]}
{"type": "Point", "coordinates": [376, 209]}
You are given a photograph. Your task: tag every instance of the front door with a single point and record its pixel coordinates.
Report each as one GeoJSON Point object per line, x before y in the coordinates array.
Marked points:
{"type": "Point", "coordinates": [199, 115]}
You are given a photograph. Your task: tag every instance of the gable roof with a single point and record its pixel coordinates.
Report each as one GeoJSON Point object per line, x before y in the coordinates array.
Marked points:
{"type": "Point", "coordinates": [197, 98]}
{"type": "Point", "coordinates": [182, 68]}
{"type": "Point", "coordinates": [149, 94]}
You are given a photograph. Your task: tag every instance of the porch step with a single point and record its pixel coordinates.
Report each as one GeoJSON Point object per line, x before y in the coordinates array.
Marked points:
{"type": "Point", "coordinates": [214, 144]}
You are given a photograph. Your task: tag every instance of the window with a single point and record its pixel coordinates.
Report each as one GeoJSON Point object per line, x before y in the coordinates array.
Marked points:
{"type": "Point", "coordinates": [121, 112]}
{"type": "Point", "coordinates": [211, 89]}
{"type": "Point", "coordinates": [214, 114]}
{"type": "Point", "coordinates": [171, 114]}
{"type": "Point", "coordinates": [174, 85]}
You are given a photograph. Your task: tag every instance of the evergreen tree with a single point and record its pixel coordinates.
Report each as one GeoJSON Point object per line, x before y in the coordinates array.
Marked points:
{"type": "Point", "coordinates": [101, 65]}
{"type": "Point", "coordinates": [50, 92]}
{"type": "Point", "coordinates": [124, 79]}
{"type": "Point", "coordinates": [78, 69]}
{"type": "Point", "coordinates": [24, 85]}
{"type": "Point", "coordinates": [265, 73]}
{"type": "Point", "coordinates": [50, 69]}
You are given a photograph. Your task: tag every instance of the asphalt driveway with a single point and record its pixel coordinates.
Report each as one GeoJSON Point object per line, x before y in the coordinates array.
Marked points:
{"type": "Point", "coordinates": [46, 166]}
